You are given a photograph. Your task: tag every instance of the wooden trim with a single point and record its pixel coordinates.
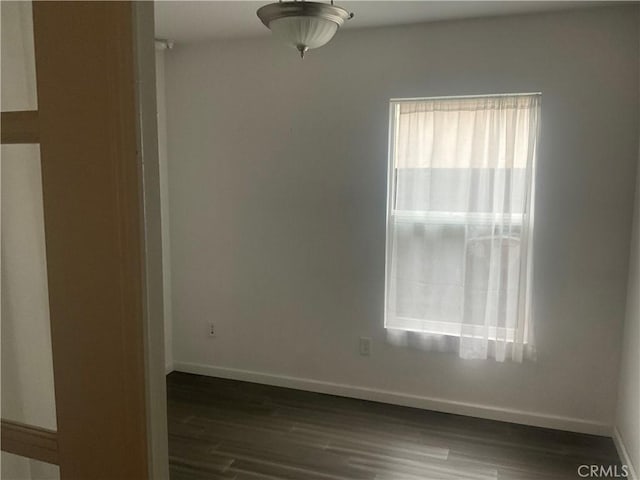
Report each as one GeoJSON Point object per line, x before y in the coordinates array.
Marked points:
{"type": "Point", "coordinates": [92, 193]}
{"type": "Point", "coordinates": [157, 432]}
{"type": "Point", "coordinates": [20, 127]}
{"type": "Point", "coordinates": [31, 442]}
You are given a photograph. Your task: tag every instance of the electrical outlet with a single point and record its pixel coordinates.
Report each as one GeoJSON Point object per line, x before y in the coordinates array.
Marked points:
{"type": "Point", "coordinates": [212, 330]}
{"type": "Point", "coordinates": [365, 346]}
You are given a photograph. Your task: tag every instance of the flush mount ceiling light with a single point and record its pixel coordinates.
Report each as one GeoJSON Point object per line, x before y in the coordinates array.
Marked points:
{"type": "Point", "coordinates": [303, 25]}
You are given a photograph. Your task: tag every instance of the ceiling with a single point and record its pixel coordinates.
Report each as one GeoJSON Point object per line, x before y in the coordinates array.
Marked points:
{"type": "Point", "coordinates": [184, 21]}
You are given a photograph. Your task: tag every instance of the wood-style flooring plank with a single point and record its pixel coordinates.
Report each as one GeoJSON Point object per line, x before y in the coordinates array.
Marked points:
{"type": "Point", "coordinates": [225, 429]}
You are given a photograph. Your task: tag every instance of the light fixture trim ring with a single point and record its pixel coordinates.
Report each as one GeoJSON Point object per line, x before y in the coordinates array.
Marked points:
{"type": "Point", "coordinates": [275, 11]}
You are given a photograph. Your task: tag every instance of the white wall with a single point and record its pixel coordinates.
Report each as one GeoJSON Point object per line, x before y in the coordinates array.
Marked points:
{"type": "Point", "coordinates": [27, 367]}
{"type": "Point", "coordinates": [154, 288]}
{"type": "Point", "coordinates": [628, 413]}
{"type": "Point", "coordinates": [164, 206]}
{"type": "Point", "coordinates": [277, 176]}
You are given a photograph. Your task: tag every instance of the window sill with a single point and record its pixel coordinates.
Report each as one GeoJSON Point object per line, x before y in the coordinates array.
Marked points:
{"type": "Point", "coordinates": [457, 218]}
{"type": "Point", "coordinates": [450, 329]}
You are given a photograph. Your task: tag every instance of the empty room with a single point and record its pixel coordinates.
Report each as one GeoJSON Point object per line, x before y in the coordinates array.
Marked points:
{"type": "Point", "coordinates": [405, 255]}
{"type": "Point", "coordinates": [359, 240]}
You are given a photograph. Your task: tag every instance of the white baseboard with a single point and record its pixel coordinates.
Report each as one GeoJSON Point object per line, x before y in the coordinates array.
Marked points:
{"type": "Point", "coordinates": [168, 368]}
{"type": "Point", "coordinates": [624, 454]}
{"type": "Point", "coordinates": [396, 398]}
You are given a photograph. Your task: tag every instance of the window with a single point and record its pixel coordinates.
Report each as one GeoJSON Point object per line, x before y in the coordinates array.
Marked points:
{"type": "Point", "coordinates": [460, 216]}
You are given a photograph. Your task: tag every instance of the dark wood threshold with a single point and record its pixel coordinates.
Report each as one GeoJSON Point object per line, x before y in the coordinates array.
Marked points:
{"type": "Point", "coordinates": [28, 441]}
{"type": "Point", "coordinates": [20, 127]}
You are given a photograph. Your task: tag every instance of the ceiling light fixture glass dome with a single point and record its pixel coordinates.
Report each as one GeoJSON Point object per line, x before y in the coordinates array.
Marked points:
{"type": "Point", "coordinates": [303, 25]}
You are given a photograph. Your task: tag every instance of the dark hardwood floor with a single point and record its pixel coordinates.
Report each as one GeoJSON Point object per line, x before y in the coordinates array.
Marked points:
{"type": "Point", "coordinates": [225, 429]}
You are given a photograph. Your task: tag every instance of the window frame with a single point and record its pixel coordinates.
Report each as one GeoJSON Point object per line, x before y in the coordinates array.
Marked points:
{"type": "Point", "coordinates": [441, 218]}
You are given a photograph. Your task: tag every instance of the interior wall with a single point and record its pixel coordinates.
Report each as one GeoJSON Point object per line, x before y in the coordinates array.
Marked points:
{"type": "Point", "coordinates": [277, 183]}
{"type": "Point", "coordinates": [154, 286]}
{"type": "Point", "coordinates": [628, 413]}
{"type": "Point", "coordinates": [164, 206]}
{"type": "Point", "coordinates": [628, 416]}
{"type": "Point", "coordinates": [27, 368]}
{"type": "Point", "coordinates": [27, 387]}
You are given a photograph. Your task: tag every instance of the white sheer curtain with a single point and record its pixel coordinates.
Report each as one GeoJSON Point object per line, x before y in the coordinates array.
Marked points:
{"type": "Point", "coordinates": [460, 221]}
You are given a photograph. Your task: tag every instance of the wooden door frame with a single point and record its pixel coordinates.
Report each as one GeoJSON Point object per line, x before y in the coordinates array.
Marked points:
{"type": "Point", "coordinates": [148, 158]}
{"type": "Point", "coordinates": [94, 123]}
